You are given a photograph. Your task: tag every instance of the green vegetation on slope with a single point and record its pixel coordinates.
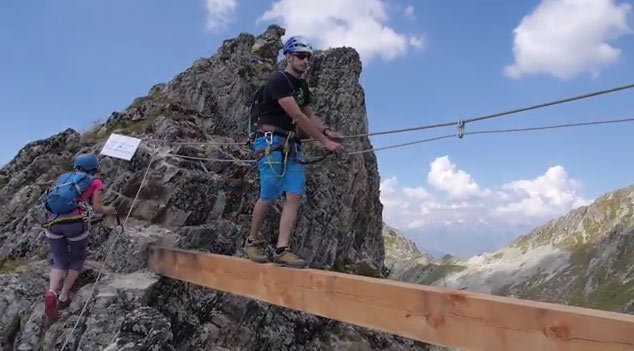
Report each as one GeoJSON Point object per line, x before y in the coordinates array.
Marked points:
{"type": "Point", "coordinates": [437, 272]}
{"type": "Point", "coordinates": [609, 291]}
{"type": "Point", "coordinates": [8, 266]}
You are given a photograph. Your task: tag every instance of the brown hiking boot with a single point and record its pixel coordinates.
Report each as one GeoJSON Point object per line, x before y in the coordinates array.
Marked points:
{"type": "Point", "coordinates": [255, 251]}
{"type": "Point", "coordinates": [289, 259]}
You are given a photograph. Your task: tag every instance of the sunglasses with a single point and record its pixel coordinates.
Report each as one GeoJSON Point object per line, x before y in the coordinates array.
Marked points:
{"type": "Point", "coordinates": [302, 56]}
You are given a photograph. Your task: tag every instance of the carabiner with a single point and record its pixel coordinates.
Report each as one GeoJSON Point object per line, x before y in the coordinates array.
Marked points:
{"type": "Point", "coordinates": [119, 225]}
{"type": "Point", "coordinates": [268, 136]}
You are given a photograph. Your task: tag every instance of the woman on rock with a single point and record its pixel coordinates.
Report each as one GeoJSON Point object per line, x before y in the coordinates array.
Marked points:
{"type": "Point", "coordinates": [67, 231]}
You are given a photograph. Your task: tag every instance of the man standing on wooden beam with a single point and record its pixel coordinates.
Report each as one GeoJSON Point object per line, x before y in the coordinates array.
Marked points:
{"type": "Point", "coordinates": [280, 110]}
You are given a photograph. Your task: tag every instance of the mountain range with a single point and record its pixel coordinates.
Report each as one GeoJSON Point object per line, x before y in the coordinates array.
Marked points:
{"type": "Point", "coordinates": [583, 258]}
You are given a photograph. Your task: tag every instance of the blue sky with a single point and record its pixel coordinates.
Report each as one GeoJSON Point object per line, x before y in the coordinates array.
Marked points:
{"type": "Point", "coordinates": [68, 64]}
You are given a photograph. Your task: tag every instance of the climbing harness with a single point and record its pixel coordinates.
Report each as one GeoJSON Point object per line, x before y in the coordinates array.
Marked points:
{"type": "Point", "coordinates": [84, 215]}
{"type": "Point", "coordinates": [68, 219]}
{"type": "Point", "coordinates": [93, 220]}
{"type": "Point", "coordinates": [282, 147]}
{"type": "Point", "coordinates": [289, 148]}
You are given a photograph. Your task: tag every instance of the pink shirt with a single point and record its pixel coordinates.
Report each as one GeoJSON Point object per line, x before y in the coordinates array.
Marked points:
{"type": "Point", "coordinates": [96, 184]}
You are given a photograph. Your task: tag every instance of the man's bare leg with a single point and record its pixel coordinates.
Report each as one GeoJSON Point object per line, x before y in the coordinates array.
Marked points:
{"type": "Point", "coordinates": [289, 214]}
{"type": "Point", "coordinates": [288, 218]}
{"type": "Point", "coordinates": [259, 212]}
{"type": "Point", "coordinates": [254, 248]}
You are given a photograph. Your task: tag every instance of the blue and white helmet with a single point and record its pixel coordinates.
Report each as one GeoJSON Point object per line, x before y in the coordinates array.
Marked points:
{"type": "Point", "coordinates": [87, 162]}
{"type": "Point", "coordinates": [297, 44]}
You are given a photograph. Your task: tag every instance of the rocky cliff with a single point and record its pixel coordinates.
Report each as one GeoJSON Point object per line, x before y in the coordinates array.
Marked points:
{"type": "Point", "coordinates": [398, 248]}
{"type": "Point", "coordinates": [194, 204]}
{"type": "Point", "coordinates": [583, 258]}
{"type": "Point", "coordinates": [405, 262]}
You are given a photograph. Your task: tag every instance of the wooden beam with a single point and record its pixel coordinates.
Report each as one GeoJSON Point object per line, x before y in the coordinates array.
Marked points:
{"type": "Point", "coordinates": [434, 315]}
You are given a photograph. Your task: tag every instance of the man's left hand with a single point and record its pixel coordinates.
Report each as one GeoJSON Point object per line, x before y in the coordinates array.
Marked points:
{"type": "Point", "coordinates": [334, 136]}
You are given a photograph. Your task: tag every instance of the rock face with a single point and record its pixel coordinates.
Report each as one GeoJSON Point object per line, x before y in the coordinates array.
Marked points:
{"type": "Point", "coordinates": [405, 262]}
{"type": "Point", "coordinates": [118, 300]}
{"type": "Point", "coordinates": [398, 248]}
{"type": "Point", "coordinates": [195, 204]}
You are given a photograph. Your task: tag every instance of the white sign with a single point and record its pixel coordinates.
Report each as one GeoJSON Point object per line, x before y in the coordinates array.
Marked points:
{"type": "Point", "coordinates": [120, 146]}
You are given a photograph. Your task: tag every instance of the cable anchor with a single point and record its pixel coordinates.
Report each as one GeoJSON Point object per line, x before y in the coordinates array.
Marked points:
{"type": "Point", "coordinates": [461, 125]}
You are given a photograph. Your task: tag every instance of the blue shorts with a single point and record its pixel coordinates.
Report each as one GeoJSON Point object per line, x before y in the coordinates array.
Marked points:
{"type": "Point", "coordinates": [276, 178]}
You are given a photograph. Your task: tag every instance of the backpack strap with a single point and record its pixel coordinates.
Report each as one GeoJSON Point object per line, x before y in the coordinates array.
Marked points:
{"type": "Point", "coordinates": [251, 133]}
{"type": "Point", "coordinates": [290, 84]}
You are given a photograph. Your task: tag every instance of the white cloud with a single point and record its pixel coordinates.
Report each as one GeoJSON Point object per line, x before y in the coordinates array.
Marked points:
{"type": "Point", "coordinates": [417, 223]}
{"type": "Point", "coordinates": [552, 193]}
{"type": "Point", "coordinates": [444, 176]}
{"type": "Point", "coordinates": [454, 214]}
{"type": "Point", "coordinates": [220, 13]}
{"type": "Point", "coordinates": [389, 186]}
{"type": "Point", "coordinates": [418, 193]}
{"type": "Point", "coordinates": [416, 41]}
{"type": "Point", "coordinates": [401, 205]}
{"type": "Point", "coordinates": [409, 12]}
{"type": "Point", "coordinates": [406, 207]}
{"type": "Point", "coordinates": [564, 38]}
{"type": "Point", "coordinates": [390, 197]}
{"type": "Point", "coordinates": [361, 24]}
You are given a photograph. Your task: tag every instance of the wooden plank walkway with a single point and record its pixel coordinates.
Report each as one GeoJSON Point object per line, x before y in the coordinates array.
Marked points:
{"type": "Point", "coordinates": [434, 315]}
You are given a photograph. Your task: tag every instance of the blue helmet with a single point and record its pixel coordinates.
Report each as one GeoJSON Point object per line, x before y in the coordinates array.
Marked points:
{"type": "Point", "coordinates": [87, 162]}
{"type": "Point", "coordinates": [297, 44]}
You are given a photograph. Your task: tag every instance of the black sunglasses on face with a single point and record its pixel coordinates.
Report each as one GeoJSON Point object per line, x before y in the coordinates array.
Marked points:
{"type": "Point", "coordinates": [302, 56]}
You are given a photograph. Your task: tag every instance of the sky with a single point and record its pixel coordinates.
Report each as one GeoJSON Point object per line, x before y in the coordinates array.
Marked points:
{"type": "Point", "coordinates": [72, 63]}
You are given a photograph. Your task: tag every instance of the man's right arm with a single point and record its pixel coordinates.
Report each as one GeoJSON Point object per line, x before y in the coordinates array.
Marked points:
{"type": "Point", "coordinates": [280, 90]}
{"type": "Point", "coordinates": [306, 124]}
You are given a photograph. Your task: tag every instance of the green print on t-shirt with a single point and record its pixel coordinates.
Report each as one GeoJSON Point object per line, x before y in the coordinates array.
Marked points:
{"type": "Point", "coordinates": [299, 96]}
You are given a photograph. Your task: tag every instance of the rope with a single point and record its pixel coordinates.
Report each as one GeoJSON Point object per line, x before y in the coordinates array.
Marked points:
{"type": "Point", "coordinates": [394, 131]}
{"type": "Point", "coordinates": [221, 143]}
{"type": "Point", "coordinates": [431, 126]}
{"type": "Point", "coordinates": [579, 97]}
{"type": "Point", "coordinates": [110, 250]}
{"type": "Point", "coordinates": [286, 152]}
{"type": "Point", "coordinates": [359, 152]}
{"type": "Point", "coordinates": [499, 114]}
{"type": "Point", "coordinates": [205, 158]}
{"type": "Point", "coordinates": [400, 145]}
{"type": "Point", "coordinates": [550, 127]}
{"type": "Point", "coordinates": [557, 126]}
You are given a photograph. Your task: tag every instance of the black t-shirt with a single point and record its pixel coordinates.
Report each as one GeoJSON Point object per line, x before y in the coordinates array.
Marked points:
{"type": "Point", "coordinates": [277, 87]}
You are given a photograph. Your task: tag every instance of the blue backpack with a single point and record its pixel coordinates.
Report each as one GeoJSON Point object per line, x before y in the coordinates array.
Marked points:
{"type": "Point", "coordinates": [63, 197]}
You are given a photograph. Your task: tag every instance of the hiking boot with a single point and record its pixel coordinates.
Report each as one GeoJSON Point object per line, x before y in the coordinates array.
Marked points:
{"type": "Point", "coordinates": [289, 259]}
{"type": "Point", "coordinates": [63, 304]}
{"type": "Point", "coordinates": [50, 305]}
{"type": "Point", "coordinates": [255, 251]}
